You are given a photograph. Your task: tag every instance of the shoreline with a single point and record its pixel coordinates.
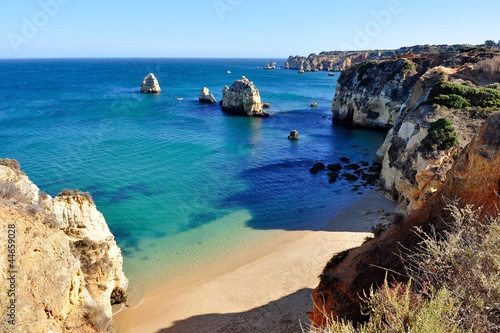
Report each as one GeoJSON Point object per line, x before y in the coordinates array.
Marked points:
{"type": "Point", "coordinates": [271, 291]}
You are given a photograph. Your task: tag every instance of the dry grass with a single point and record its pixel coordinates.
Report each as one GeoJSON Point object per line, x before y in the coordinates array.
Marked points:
{"type": "Point", "coordinates": [454, 283]}
{"type": "Point", "coordinates": [76, 192]}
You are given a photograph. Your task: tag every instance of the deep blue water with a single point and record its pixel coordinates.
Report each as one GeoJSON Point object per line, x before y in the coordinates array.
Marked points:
{"type": "Point", "coordinates": [159, 167]}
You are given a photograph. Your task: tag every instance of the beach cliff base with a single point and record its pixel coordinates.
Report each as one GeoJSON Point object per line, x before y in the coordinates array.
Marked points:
{"type": "Point", "coordinates": [270, 294]}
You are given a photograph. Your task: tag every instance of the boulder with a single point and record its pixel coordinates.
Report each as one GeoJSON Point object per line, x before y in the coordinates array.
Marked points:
{"type": "Point", "coordinates": [294, 135]}
{"type": "Point", "coordinates": [266, 105]}
{"type": "Point", "coordinates": [334, 167]}
{"type": "Point", "coordinates": [150, 85]}
{"type": "Point", "coordinates": [314, 105]}
{"type": "Point", "coordinates": [317, 167]}
{"type": "Point", "coordinates": [243, 98]}
{"type": "Point", "coordinates": [206, 97]}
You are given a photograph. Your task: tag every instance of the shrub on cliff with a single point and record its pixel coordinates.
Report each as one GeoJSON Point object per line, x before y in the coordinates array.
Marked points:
{"type": "Point", "coordinates": [451, 101]}
{"type": "Point", "coordinates": [454, 283]}
{"type": "Point", "coordinates": [364, 68]}
{"type": "Point", "coordinates": [11, 163]}
{"type": "Point", "coordinates": [466, 261]}
{"type": "Point", "coordinates": [70, 193]}
{"type": "Point", "coordinates": [398, 308]}
{"type": "Point", "coordinates": [441, 136]}
{"type": "Point", "coordinates": [478, 97]}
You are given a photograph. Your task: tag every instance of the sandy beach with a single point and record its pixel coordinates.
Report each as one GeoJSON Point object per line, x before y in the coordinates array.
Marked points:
{"type": "Point", "coordinates": [270, 294]}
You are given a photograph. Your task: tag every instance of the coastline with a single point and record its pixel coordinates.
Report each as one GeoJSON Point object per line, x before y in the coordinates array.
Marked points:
{"type": "Point", "coordinates": [267, 294]}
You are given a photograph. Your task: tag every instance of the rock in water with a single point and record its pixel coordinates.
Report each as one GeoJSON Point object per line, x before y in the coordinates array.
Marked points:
{"type": "Point", "coordinates": [271, 65]}
{"type": "Point", "coordinates": [243, 98]}
{"type": "Point", "coordinates": [294, 135]}
{"type": "Point", "coordinates": [314, 105]}
{"type": "Point", "coordinates": [150, 85]}
{"type": "Point", "coordinates": [266, 105]}
{"type": "Point", "coordinates": [206, 97]}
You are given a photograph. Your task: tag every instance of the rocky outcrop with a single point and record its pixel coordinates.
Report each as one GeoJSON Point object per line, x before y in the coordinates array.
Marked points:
{"type": "Point", "coordinates": [69, 266]}
{"type": "Point", "coordinates": [340, 60]}
{"type": "Point", "coordinates": [473, 178]}
{"type": "Point", "coordinates": [206, 97]}
{"type": "Point", "coordinates": [271, 65]}
{"type": "Point", "coordinates": [243, 98]}
{"type": "Point", "coordinates": [294, 135]}
{"type": "Point", "coordinates": [410, 174]}
{"type": "Point", "coordinates": [150, 85]}
{"type": "Point", "coordinates": [372, 94]}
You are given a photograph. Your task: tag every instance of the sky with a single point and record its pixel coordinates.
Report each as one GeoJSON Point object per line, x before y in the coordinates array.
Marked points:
{"type": "Point", "coordinates": [236, 28]}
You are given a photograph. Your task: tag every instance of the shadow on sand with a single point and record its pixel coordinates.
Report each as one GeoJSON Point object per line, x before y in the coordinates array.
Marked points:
{"type": "Point", "coordinates": [283, 315]}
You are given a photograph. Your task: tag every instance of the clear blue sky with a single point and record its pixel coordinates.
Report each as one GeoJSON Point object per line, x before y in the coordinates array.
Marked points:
{"type": "Point", "coordinates": [236, 28]}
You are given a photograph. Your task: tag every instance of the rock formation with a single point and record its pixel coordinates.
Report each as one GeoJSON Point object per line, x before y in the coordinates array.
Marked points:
{"type": "Point", "coordinates": [150, 85]}
{"type": "Point", "coordinates": [340, 60]}
{"type": "Point", "coordinates": [271, 65]}
{"type": "Point", "coordinates": [266, 105]}
{"type": "Point", "coordinates": [473, 178]}
{"type": "Point", "coordinates": [294, 135]}
{"type": "Point", "coordinates": [206, 97]}
{"type": "Point", "coordinates": [372, 94]}
{"type": "Point", "coordinates": [69, 266]}
{"type": "Point", "coordinates": [243, 98]}
{"type": "Point", "coordinates": [314, 105]}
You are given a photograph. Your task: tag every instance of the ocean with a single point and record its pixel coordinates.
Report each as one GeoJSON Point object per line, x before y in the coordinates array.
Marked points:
{"type": "Point", "coordinates": [182, 185]}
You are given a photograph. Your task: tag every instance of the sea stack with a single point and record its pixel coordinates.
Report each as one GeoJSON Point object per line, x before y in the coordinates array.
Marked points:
{"type": "Point", "coordinates": [150, 85]}
{"type": "Point", "coordinates": [243, 98]}
{"type": "Point", "coordinates": [294, 135]}
{"type": "Point", "coordinates": [271, 65]}
{"type": "Point", "coordinates": [206, 97]}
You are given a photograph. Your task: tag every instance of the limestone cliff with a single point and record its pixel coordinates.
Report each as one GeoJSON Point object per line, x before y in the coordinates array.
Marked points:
{"type": "Point", "coordinates": [474, 178]}
{"type": "Point", "coordinates": [341, 60]}
{"type": "Point", "coordinates": [69, 268]}
{"type": "Point", "coordinates": [243, 98]}
{"type": "Point", "coordinates": [409, 173]}
{"type": "Point", "coordinates": [373, 93]}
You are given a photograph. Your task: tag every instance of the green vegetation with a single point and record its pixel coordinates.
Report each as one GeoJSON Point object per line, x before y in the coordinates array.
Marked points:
{"type": "Point", "coordinates": [451, 101]}
{"type": "Point", "coordinates": [482, 97]}
{"type": "Point", "coordinates": [441, 136]}
{"type": "Point", "coordinates": [398, 308]}
{"type": "Point", "coordinates": [364, 68]}
{"type": "Point", "coordinates": [454, 284]}
{"type": "Point", "coordinates": [475, 97]}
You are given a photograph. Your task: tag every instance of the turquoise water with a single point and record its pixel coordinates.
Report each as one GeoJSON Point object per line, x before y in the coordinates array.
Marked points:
{"type": "Point", "coordinates": [179, 183]}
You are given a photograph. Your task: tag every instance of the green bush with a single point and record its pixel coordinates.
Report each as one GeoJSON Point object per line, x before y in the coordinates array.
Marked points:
{"type": "Point", "coordinates": [478, 97]}
{"type": "Point", "coordinates": [451, 101]}
{"type": "Point", "coordinates": [441, 136]}
{"type": "Point", "coordinates": [364, 68]}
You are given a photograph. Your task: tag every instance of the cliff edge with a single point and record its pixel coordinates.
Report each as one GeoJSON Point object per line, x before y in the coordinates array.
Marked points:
{"type": "Point", "coordinates": [68, 268]}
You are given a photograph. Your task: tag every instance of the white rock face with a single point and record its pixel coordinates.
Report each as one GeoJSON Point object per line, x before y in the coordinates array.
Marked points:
{"type": "Point", "coordinates": [206, 97]}
{"type": "Point", "coordinates": [150, 85]}
{"type": "Point", "coordinates": [243, 98]}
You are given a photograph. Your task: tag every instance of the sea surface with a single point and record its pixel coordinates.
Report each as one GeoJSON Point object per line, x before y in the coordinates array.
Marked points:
{"type": "Point", "coordinates": [181, 184]}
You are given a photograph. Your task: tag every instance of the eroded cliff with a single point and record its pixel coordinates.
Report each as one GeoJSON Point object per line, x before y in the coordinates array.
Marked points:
{"type": "Point", "coordinates": [474, 178]}
{"type": "Point", "coordinates": [68, 266]}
